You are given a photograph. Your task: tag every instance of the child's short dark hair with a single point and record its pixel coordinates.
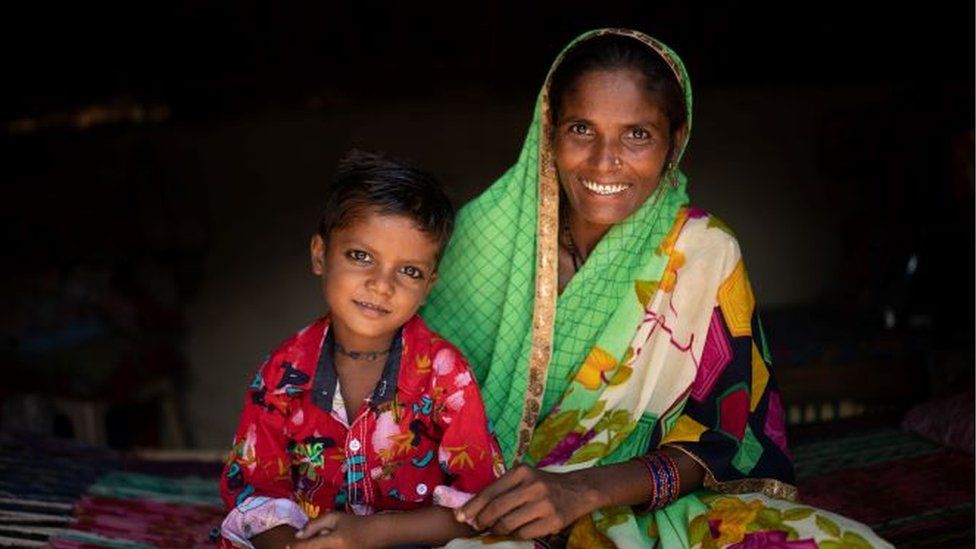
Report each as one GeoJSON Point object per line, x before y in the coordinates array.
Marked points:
{"type": "Point", "coordinates": [368, 181]}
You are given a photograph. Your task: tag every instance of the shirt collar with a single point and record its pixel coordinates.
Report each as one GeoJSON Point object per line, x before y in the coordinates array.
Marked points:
{"type": "Point", "coordinates": [327, 379]}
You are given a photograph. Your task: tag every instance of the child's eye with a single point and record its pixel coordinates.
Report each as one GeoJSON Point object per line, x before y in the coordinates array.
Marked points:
{"type": "Point", "coordinates": [412, 272]}
{"type": "Point", "coordinates": [358, 256]}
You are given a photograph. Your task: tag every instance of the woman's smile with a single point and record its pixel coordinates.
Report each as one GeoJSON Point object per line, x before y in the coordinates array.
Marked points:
{"type": "Point", "coordinates": [603, 189]}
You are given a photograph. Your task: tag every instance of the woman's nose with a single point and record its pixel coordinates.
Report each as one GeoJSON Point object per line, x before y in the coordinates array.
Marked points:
{"type": "Point", "coordinates": [606, 154]}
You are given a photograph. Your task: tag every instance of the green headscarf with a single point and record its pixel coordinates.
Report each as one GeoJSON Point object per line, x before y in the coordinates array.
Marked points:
{"type": "Point", "coordinates": [496, 297]}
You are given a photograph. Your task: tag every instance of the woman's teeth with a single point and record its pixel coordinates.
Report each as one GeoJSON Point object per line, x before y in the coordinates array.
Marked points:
{"type": "Point", "coordinates": [603, 189]}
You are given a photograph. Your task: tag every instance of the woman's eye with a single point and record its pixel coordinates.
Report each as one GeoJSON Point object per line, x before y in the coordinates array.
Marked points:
{"type": "Point", "coordinates": [412, 272]}
{"type": "Point", "coordinates": [358, 256]}
{"type": "Point", "coordinates": [640, 134]}
{"type": "Point", "coordinates": [579, 128]}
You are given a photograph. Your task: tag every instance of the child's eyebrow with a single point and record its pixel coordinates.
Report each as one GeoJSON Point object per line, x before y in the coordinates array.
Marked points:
{"type": "Point", "coordinates": [416, 261]}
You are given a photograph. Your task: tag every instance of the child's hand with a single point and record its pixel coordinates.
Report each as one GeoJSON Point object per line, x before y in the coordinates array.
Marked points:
{"type": "Point", "coordinates": [335, 530]}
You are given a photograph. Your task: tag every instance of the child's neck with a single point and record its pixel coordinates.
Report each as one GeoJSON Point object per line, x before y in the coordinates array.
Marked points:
{"type": "Point", "coordinates": [356, 344]}
{"type": "Point", "coordinates": [359, 363]}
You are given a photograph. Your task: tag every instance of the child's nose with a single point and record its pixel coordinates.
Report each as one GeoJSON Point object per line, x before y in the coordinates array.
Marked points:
{"type": "Point", "coordinates": [382, 282]}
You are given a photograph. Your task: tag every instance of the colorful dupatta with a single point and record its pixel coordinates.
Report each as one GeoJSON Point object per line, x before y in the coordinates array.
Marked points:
{"type": "Point", "coordinates": [654, 341]}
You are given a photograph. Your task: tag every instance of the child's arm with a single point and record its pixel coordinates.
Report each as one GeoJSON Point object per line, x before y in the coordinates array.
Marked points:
{"type": "Point", "coordinates": [275, 538]}
{"type": "Point", "coordinates": [425, 526]}
{"type": "Point", "coordinates": [255, 485]}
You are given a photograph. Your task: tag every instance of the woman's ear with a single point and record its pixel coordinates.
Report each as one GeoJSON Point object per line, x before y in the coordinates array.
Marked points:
{"type": "Point", "coordinates": [317, 252]}
{"type": "Point", "coordinates": [677, 139]}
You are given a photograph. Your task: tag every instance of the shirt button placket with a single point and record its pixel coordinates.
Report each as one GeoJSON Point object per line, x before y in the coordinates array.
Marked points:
{"type": "Point", "coordinates": [356, 462]}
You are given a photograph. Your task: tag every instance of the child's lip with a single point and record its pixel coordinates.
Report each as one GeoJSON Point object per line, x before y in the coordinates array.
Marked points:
{"type": "Point", "coordinates": [371, 307]}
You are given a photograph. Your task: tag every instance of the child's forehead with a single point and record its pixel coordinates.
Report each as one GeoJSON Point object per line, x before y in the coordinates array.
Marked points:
{"type": "Point", "coordinates": [391, 231]}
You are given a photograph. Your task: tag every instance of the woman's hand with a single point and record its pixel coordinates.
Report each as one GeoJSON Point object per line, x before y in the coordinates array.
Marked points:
{"type": "Point", "coordinates": [336, 530]}
{"type": "Point", "coordinates": [527, 503]}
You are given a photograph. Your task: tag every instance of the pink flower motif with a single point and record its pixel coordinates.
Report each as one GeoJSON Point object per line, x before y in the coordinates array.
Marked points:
{"type": "Point", "coordinates": [564, 450]}
{"type": "Point", "coordinates": [452, 498]}
{"type": "Point", "coordinates": [462, 380]}
{"type": "Point", "coordinates": [386, 429]}
{"type": "Point", "coordinates": [298, 417]}
{"type": "Point", "coordinates": [773, 540]}
{"type": "Point", "coordinates": [456, 401]}
{"type": "Point", "coordinates": [444, 361]}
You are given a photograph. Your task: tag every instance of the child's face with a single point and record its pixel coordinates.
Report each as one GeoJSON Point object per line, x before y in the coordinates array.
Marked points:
{"type": "Point", "coordinates": [376, 272]}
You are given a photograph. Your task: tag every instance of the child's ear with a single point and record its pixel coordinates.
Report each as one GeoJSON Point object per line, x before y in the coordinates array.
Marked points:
{"type": "Point", "coordinates": [317, 251]}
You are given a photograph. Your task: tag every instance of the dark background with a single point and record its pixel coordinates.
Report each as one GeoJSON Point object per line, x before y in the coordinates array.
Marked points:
{"type": "Point", "coordinates": [163, 162]}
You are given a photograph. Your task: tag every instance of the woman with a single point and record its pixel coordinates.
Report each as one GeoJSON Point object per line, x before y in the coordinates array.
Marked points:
{"type": "Point", "coordinates": [613, 328]}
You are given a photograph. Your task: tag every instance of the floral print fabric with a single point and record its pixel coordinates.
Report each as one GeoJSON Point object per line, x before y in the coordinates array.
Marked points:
{"type": "Point", "coordinates": [424, 426]}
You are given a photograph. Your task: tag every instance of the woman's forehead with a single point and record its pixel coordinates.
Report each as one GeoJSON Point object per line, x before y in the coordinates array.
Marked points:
{"type": "Point", "coordinates": [618, 93]}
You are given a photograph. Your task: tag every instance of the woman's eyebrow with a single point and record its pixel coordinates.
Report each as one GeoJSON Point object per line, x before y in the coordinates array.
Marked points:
{"type": "Point", "coordinates": [575, 119]}
{"type": "Point", "coordinates": [650, 123]}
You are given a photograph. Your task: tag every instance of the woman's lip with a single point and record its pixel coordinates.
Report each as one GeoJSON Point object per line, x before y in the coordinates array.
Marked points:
{"type": "Point", "coordinates": [371, 307]}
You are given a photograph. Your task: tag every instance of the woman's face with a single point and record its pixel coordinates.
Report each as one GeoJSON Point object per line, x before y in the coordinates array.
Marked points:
{"type": "Point", "coordinates": [611, 142]}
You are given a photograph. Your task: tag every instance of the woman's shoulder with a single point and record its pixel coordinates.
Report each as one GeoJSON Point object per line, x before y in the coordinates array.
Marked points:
{"type": "Point", "coordinates": [701, 231]}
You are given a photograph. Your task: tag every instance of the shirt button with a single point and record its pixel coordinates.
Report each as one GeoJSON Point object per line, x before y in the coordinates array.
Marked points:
{"type": "Point", "coordinates": [422, 489]}
{"type": "Point", "coordinates": [354, 445]}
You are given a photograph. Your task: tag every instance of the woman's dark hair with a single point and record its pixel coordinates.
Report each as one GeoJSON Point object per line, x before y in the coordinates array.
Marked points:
{"type": "Point", "coordinates": [610, 52]}
{"type": "Point", "coordinates": [368, 182]}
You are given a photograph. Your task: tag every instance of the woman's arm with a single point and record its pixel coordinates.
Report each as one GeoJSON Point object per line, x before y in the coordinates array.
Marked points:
{"type": "Point", "coordinates": [529, 503]}
{"type": "Point", "coordinates": [425, 526]}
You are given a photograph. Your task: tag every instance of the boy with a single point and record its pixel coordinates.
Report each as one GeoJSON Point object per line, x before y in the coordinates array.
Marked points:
{"type": "Point", "coordinates": [364, 410]}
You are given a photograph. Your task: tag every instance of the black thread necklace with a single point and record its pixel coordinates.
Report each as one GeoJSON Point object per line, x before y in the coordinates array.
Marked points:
{"type": "Point", "coordinates": [360, 355]}
{"type": "Point", "coordinates": [570, 245]}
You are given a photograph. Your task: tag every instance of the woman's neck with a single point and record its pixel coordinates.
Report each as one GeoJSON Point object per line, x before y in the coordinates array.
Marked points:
{"type": "Point", "coordinates": [585, 235]}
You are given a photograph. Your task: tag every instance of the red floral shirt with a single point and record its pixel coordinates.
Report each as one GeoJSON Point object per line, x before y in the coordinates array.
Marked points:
{"type": "Point", "coordinates": [423, 426]}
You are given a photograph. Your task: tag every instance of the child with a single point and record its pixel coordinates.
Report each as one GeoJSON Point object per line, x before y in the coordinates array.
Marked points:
{"type": "Point", "coordinates": [364, 410]}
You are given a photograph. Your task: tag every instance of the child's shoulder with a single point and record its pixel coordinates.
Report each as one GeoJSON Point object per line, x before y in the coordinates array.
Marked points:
{"type": "Point", "coordinates": [297, 356]}
{"type": "Point", "coordinates": [433, 355]}
{"type": "Point", "coordinates": [426, 341]}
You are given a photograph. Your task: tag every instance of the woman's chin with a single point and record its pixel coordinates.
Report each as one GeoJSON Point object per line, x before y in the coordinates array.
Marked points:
{"type": "Point", "coordinates": [604, 214]}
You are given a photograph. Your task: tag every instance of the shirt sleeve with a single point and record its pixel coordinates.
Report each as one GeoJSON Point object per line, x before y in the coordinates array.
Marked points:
{"type": "Point", "coordinates": [468, 451]}
{"type": "Point", "coordinates": [733, 423]}
{"type": "Point", "coordinates": [259, 514]}
{"type": "Point", "coordinates": [256, 483]}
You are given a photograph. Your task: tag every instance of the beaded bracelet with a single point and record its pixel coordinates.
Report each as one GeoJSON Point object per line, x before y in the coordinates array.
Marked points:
{"type": "Point", "coordinates": [665, 480]}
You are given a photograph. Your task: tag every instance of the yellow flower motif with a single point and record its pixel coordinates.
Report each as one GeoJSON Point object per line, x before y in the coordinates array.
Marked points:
{"type": "Point", "coordinates": [670, 276]}
{"type": "Point", "coordinates": [309, 508]}
{"type": "Point", "coordinates": [591, 373]}
{"type": "Point", "coordinates": [732, 515]}
{"type": "Point", "coordinates": [423, 364]}
{"type": "Point", "coordinates": [584, 533]}
{"type": "Point", "coordinates": [667, 245]}
{"type": "Point", "coordinates": [460, 459]}
{"type": "Point", "coordinates": [400, 446]}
